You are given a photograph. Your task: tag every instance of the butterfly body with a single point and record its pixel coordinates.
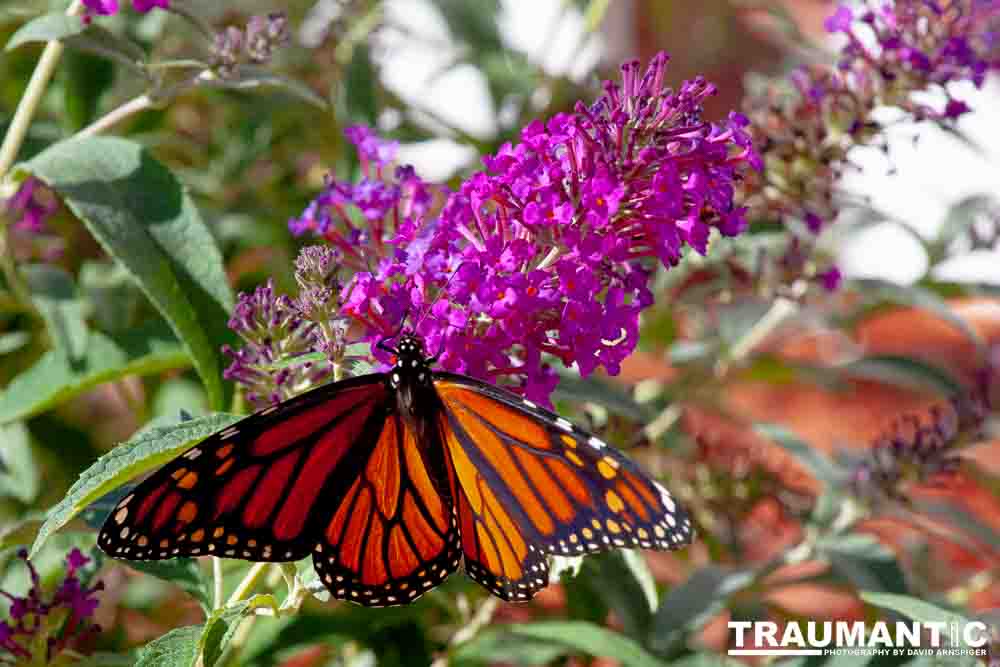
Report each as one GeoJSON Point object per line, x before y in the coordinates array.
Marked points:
{"type": "Point", "coordinates": [391, 480]}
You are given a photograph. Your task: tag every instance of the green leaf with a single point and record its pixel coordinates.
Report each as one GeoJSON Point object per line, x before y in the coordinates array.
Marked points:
{"type": "Point", "coordinates": [98, 41]}
{"type": "Point", "coordinates": [251, 78]}
{"type": "Point", "coordinates": [177, 648]}
{"type": "Point", "coordinates": [911, 607]}
{"type": "Point", "coordinates": [864, 562]}
{"type": "Point", "coordinates": [185, 573]}
{"type": "Point", "coordinates": [143, 217]}
{"type": "Point", "coordinates": [586, 638]}
{"type": "Point", "coordinates": [621, 582]}
{"type": "Point", "coordinates": [106, 660]}
{"type": "Point", "coordinates": [140, 454]}
{"type": "Point", "coordinates": [222, 624]}
{"type": "Point", "coordinates": [906, 372]}
{"type": "Point", "coordinates": [21, 530]}
{"type": "Point", "coordinates": [917, 297]}
{"type": "Point", "coordinates": [20, 477]}
{"type": "Point", "coordinates": [85, 78]}
{"type": "Point", "coordinates": [815, 461]}
{"type": "Point", "coordinates": [56, 298]}
{"type": "Point", "coordinates": [691, 604]}
{"type": "Point", "coordinates": [957, 517]}
{"type": "Point", "coordinates": [492, 646]}
{"type": "Point", "coordinates": [55, 379]}
{"type": "Point", "coordinates": [357, 93]}
{"type": "Point", "coordinates": [45, 28]}
{"type": "Point", "coordinates": [960, 220]}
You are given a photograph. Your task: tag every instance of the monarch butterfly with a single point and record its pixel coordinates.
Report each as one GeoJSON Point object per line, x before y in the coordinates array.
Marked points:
{"type": "Point", "coordinates": [390, 480]}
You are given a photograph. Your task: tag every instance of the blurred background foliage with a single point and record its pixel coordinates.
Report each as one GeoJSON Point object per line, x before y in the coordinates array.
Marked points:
{"type": "Point", "coordinates": [793, 421]}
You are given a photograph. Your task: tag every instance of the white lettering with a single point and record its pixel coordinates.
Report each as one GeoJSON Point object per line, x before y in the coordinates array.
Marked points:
{"type": "Point", "coordinates": [935, 627]}
{"type": "Point", "coordinates": [851, 634]}
{"type": "Point", "coordinates": [827, 634]}
{"type": "Point", "coordinates": [981, 637]}
{"type": "Point", "coordinates": [740, 627]}
{"type": "Point", "coordinates": [766, 630]}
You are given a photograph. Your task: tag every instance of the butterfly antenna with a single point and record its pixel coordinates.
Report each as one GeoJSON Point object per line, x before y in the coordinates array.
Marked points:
{"type": "Point", "coordinates": [402, 323]}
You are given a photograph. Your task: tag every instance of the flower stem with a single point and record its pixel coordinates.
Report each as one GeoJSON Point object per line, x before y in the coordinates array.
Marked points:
{"type": "Point", "coordinates": [217, 582]}
{"type": "Point", "coordinates": [249, 581]}
{"type": "Point", "coordinates": [114, 117]}
{"type": "Point", "coordinates": [32, 97]}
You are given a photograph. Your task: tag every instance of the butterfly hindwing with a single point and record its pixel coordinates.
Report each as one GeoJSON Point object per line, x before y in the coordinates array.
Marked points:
{"type": "Point", "coordinates": [256, 489]}
{"type": "Point", "coordinates": [393, 535]}
{"type": "Point", "coordinates": [554, 487]}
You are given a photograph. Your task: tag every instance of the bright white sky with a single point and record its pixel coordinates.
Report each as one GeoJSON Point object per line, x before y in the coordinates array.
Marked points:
{"type": "Point", "coordinates": [929, 177]}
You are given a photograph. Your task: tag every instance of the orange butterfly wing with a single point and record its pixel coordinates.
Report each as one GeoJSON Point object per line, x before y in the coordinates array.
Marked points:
{"type": "Point", "coordinates": [393, 536]}
{"type": "Point", "coordinates": [257, 489]}
{"type": "Point", "coordinates": [528, 483]}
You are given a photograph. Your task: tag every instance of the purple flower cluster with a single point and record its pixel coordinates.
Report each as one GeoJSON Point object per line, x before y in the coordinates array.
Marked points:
{"type": "Point", "coordinates": [920, 449]}
{"type": "Point", "coordinates": [549, 250]}
{"type": "Point", "coordinates": [290, 344]}
{"type": "Point", "coordinates": [109, 7]}
{"type": "Point", "coordinates": [806, 125]}
{"type": "Point", "coordinates": [255, 44]}
{"type": "Point", "coordinates": [920, 45]}
{"type": "Point", "coordinates": [31, 206]}
{"type": "Point", "coordinates": [54, 624]}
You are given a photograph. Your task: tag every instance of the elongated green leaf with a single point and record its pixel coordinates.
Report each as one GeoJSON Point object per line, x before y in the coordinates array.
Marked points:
{"type": "Point", "coordinates": [47, 27]}
{"type": "Point", "coordinates": [864, 562]}
{"type": "Point", "coordinates": [222, 624]}
{"type": "Point", "coordinates": [177, 648]}
{"type": "Point", "coordinates": [912, 607]}
{"type": "Point", "coordinates": [586, 638]}
{"type": "Point", "coordinates": [917, 297]}
{"type": "Point", "coordinates": [20, 476]}
{"type": "Point", "coordinates": [960, 518]}
{"type": "Point", "coordinates": [618, 581]}
{"type": "Point", "coordinates": [185, 573]}
{"type": "Point", "coordinates": [494, 646]}
{"type": "Point", "coordinates": [689, 605]}
{"type": "Point", "coordinates": [814, 460]}
{"type": "Point", "coordinates": [145, 452]}
{"type": "Point", "coordinates": [143, 217]}
{"type": "Point", "coordinates": [106, 660]}
{"type": "Point", "coordinates": [21, 530]}
{"type": "Point", "coordinates": [55, 379]}
{"type": "Point", "coordinates": [961, 219]}
{"type": "Point", "coordinates": [905, 372]}
{"type": "Point", "coordinates": [56, 298]}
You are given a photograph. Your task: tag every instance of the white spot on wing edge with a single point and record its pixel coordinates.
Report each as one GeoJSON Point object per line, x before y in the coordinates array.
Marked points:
{"type": "Point", "coordinates": [596, 442]}
{"type": "Point", "coordinates": [564, 424]}
{"type": "Point", "coordinates": [666, 498]}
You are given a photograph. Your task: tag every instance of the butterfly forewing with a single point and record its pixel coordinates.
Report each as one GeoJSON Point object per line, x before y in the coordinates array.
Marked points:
{"type": "Point", "coordinates": [390, 480]}
{"type": "Point", "coordinates": [257, 489]}
{"type": "Point", "coordinates": [562, 490]}
{"type": "Point", "coordinates": [393, 536]}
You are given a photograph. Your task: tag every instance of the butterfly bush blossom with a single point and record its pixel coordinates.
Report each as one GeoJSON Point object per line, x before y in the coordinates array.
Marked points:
{"type": "Point", "coordinates": [903, 55]}
{"type": "Point", "coordinates": [50, 626]}
{"type": "Point", "coordinates": [547, 252]}
{"type": "Point", "coordinates": [110, 7]}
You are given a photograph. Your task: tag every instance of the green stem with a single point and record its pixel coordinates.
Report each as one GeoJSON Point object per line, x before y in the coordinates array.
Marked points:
{"type": "Point", "coordinates": [217, 582]}
{"type": "Point", "coordinates": [249, 581]}
{"type": "Point", "coordinates": [32, 97]}
{"type": "Point", "coordinates": [115, 116]}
